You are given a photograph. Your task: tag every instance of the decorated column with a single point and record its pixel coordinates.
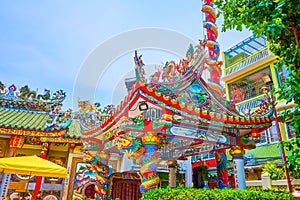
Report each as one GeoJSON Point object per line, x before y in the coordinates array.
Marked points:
{"type": "Point", "coordinates": [150, 178]}
{"type": "Point", "coordinates": [188, 173]}
{"type": "Point", "coordinates": [98, 163]}
{"type": "Point", "coordinates": [212, 45]}
{"type": "Point", "coordinates": [4, 185]}
{"type": "Point", "coordinates": [237, 154]}
{"type": "Point", "coordinates": [172, 165]}
{"type": "Point", "coordinates": [222, 173]}
{"type": "Point", "coordinates": [102, 177]}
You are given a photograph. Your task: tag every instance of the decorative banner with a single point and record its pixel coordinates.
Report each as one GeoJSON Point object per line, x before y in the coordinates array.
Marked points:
{"type": "Point", "coordinates": [4, 185]}
{"type": "Point", "coordinates": [198, 134]}
{"type": "Point", "coordinates": [16, 141]}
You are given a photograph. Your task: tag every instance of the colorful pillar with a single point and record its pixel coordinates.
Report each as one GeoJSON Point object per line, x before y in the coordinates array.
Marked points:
{"type": "Point", "coordinates": [172, 165]}
{"type": "Point", "coordinates": [237, 154]}
{"type": "Point", "coordinates": [222, 173]}
{"type": "Point", "coordinates": [212, 45]}
{"type": "Point", "coordinates": [98, 164]}
{"type": "Point", "coordinates": [44, 153]}
{"type": "Point", "coordinates": [188, 173]}
{"type": "Point", "coordinates": [4, 185]}
{"type": "Point", "coordinates": [102, 170]}
{"type": "Point", "coordinates": [149, 163]}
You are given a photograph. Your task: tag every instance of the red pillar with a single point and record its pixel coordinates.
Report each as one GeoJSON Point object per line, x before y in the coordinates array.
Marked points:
{"type": "Point", "coordinates": [290, 187]}
{"type": "Point", "coordinates": [38, 182]}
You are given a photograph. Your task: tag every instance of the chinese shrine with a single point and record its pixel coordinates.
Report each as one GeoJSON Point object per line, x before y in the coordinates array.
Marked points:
{"type": "Point", "coordinates": [174, 114]}
{"type": "Point", "coordinates": [33, 124]}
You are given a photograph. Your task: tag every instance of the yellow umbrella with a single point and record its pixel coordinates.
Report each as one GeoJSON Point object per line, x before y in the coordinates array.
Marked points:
{"type": "Point", "coordinates": [33, 166]}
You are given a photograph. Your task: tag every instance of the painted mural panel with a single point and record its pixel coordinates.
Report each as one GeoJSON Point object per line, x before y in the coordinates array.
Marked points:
{"type": "Point", "coordinates": [83, 180]}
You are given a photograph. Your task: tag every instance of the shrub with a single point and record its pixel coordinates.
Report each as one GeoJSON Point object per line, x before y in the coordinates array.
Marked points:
{"type": "Point", "coordinates": [181, 193]}
{"type": "Point", "coordinates": [274, 172]}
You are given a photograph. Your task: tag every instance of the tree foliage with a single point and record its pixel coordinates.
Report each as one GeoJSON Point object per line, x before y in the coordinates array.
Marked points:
{"type": "Point", "coordinates": [279, 21]}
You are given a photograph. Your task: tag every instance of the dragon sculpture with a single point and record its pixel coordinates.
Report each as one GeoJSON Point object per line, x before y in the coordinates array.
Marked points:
{"type": "Point", "coordinates": [86, 106]}
{"type": "Point", "coordinates": [45, 96]}
{"type": "Point", "coordinates": [25, 93]}
{"type": "Point", "coordinates": [129, 145]}
{"type": "Point", "coordinates": [145, 155]}
{"type": "Point", "coordinates": [102, 172]}
{"type": "Point", "coordinates": [27, 99]}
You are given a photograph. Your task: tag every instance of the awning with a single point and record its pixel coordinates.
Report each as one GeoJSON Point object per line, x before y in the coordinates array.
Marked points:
{"type": "Point", "coordinates": [33, 166]}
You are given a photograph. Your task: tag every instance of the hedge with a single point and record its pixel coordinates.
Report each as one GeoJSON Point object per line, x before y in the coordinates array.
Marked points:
{"type": "Point", "coordinates": [181, 193]}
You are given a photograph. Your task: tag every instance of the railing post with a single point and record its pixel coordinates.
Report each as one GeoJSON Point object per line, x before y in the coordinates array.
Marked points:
{"type": "Point", "coordinates": [266, 181]}
{"type": "Point", "coordinates": [172, 165]}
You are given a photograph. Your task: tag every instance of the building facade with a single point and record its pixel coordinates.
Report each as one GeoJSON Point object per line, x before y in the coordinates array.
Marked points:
{"type": "Point", "coordinates": [249, 67]}
{"type": "Point", "coordinates": [33, 124]}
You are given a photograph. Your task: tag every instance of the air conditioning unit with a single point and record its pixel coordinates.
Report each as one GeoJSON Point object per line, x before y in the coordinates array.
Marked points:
{"type": "Point", "coordinates": [249, 156]}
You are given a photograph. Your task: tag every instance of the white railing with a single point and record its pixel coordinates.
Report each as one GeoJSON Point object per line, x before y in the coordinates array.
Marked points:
{"type": "Point", "coordinates": [254, 184]}
{"type": "Point", "coordinates": [248, 61]}
{"type": "Point", "coordinates": [266, 182]}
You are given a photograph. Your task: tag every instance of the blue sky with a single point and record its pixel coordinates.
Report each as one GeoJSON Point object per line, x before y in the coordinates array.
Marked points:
{"type": "Point", "coordinates": [45, 43]}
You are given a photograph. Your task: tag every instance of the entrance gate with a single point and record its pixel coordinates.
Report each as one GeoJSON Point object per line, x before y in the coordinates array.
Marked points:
{"type": "Point", "coordinates": [125, 186]}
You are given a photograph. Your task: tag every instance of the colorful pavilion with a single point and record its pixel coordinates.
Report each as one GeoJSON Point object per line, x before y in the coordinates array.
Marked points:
{"type": "Point", "coordinates": [174, 114]}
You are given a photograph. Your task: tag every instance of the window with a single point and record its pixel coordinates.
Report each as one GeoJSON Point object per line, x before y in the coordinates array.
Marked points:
{"type": "Point", "coordinates": [207, 155]}
{"type": "Point", "coordinates": [239, 90]}
{"type": "Point", "coordinates": [250, 86]}
{"type": "Point", "coordinates": [290, 132]}
{"type": "Point", "coordinates": [204, 156]}
{"type": "Point", "coordinates": [282, 75]}
{"type": "Point", "coordinates": [270, 135]}
{"type": "Point", "coordinates": [273, 133]}
{"type": "Point", "coordinates": [152, 114]}
{"type": "Point", "coordinates": [263, 138]}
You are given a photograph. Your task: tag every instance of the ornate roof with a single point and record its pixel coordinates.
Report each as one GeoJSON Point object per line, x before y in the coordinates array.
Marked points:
{"type": "Point", "coordinates": [186, 91]}
{"type": "Point", "coordinates": [24, 112]}
{"type": "Point", "coordinates": [27, 120]}
{"type": "Point", "coordinates": [188, 108]}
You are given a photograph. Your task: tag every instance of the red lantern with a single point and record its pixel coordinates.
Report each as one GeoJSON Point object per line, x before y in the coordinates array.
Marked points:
{"type": "Point", "coordinates": [72, 146]}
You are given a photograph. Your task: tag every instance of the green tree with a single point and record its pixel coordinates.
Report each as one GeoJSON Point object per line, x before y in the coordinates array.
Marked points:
{"type": "Point", "coordinates": [279, 21]}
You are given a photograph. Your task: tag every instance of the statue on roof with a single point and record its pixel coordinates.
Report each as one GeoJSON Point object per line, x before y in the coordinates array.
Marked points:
{"type": "Point", "coordinates": [190, 52]}
{"type": "Point", "coordinates": [2, 88]}
{"type": "Point", "coordinates": [139, 68]}
{"type": "Point", "coordinates": [45, 96]}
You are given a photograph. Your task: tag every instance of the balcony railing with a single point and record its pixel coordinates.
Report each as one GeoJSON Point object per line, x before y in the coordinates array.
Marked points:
{"type": "Point", "coordinates": [264, 53]}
